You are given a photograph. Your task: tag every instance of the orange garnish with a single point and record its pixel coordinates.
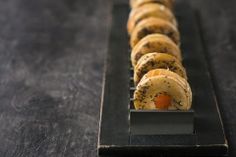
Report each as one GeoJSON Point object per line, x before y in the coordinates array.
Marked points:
{"type": "Point", "coordinates": [163, 101]}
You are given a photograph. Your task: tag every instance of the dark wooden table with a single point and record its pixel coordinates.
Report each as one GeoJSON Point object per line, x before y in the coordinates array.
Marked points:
{"type": "Point", "coordinates": [51, 66]}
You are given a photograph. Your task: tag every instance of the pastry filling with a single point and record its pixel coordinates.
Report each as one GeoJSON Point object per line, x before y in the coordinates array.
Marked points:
{"type": "Point", "coordinates": [163, 101]}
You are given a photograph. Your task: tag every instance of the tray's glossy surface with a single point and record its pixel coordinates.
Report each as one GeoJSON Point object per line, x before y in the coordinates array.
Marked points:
{"type": "Point", "coordinates": [114, 134]}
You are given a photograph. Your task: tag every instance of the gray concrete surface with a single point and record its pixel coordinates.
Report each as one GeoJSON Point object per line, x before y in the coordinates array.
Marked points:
{"type": "Point", "coordinates": [51, 66]}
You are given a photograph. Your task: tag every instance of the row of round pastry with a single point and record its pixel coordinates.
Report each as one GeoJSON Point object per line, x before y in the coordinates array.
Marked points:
{"type": "Point", "coordinates": [159, 76]}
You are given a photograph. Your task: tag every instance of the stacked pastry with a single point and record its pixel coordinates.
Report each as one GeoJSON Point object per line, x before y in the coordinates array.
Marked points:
{"type": "Point", "coordinates": [159, 76]}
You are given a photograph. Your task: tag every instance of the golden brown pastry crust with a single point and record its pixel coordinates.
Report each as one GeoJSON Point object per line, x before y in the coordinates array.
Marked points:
{"type": "Point", "coordinates": [153, 25]}
{"type": "Point", "coordinates": [154, 60]}
{"type": "Point", "coordinates": [149, 10]}
{"type": "Point", "coordinates": [161, 81]}
{"type": "Point", "coordinates": [138, 3]}
{"type": "Point", "coordinates": [154, 43]}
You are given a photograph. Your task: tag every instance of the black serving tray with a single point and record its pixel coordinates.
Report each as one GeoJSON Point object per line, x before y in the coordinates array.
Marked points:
{"type": "Point", "coordinates": [121, 132]}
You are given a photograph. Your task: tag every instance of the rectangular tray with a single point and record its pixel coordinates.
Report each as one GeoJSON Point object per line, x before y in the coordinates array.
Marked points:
{"type": "Point", "coordinates": [117, 137]}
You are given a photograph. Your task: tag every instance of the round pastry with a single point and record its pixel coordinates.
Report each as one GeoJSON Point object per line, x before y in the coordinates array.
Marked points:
{"type": "Point", "coordinates": [154, 60]}
{"type": "Point", "coordinates": [149, 10]}
{"type": "Point", "coordinates": [162, 89]}
{"type": "Point", "coordinates": [153, 25]}
{"type": "Point", "coordinates": [138, 3]}
{"type": "Point", "coordinates": [154, 43]}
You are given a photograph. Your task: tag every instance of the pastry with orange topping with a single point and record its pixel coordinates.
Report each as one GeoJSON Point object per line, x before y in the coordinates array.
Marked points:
{"type": "Point", "coordinates": [162, 89]}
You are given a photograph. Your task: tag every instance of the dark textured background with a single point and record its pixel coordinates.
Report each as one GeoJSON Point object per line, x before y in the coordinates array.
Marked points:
{"type": "Point", "coordinates": [51, 67]}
